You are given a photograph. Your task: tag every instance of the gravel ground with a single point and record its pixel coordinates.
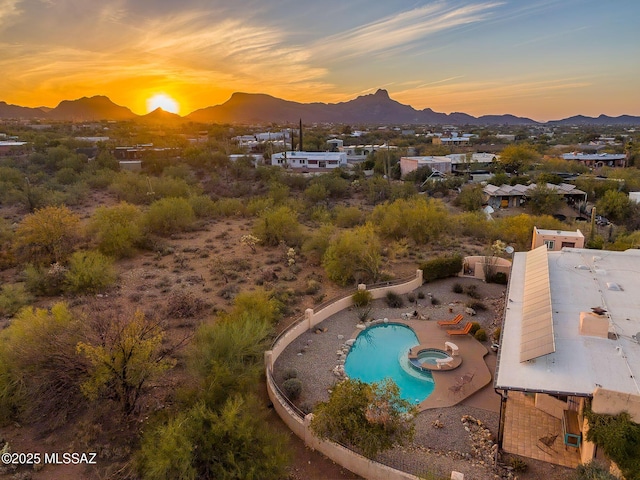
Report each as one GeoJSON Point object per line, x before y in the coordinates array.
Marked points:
{"type": "Point", "coordinates": [435, 451]}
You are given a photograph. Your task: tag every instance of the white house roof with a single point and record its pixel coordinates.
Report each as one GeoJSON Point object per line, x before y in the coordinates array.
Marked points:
{"type": "Point", "coordinates": [594, 156]}
{"type": "Point", "coordinates": [564, 233]}
{"type": "Point", "coordinates": [579, 279]}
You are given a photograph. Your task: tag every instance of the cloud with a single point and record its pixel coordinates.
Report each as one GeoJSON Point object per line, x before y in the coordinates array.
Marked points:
{"type": "Point", "coordinates": [402, 30]}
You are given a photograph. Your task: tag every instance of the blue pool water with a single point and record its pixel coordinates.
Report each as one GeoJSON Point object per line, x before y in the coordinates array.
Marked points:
{"type": "Point", "coordinates": [381, 352]}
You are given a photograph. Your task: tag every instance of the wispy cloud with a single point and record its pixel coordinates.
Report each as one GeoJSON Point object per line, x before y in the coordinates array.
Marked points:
{"type": "Point", "coordinates": [403, 29]}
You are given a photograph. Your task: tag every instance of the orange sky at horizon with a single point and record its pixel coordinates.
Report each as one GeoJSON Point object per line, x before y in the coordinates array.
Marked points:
{"type": "Point", "coordinates": [536, 59]}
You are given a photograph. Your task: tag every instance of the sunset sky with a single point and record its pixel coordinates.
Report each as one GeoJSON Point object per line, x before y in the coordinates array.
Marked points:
{"type": "Point", "coordinates": [544, 59]}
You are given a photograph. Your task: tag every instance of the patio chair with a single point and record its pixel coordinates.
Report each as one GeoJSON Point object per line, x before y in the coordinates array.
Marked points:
{"type": "Point", "coordinates": [450, 323]}
{"type": "Point", "coordinates": [462, 331]}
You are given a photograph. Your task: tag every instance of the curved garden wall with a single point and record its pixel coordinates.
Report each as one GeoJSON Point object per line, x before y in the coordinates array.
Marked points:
{"type": "Point", "coordinates": [296, 420]}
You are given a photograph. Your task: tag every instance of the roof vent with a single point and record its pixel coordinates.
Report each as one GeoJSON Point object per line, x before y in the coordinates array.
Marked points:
{"type": "Point", "coordinates": [594, 325]}
{"type": "Point", "coordinates": [614, 287]}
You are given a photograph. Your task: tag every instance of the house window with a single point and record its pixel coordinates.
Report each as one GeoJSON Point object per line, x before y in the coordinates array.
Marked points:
{"type": "Point", "coordinates": [568, 244]}
{"type": "Point", "coordinates": [550, 244]}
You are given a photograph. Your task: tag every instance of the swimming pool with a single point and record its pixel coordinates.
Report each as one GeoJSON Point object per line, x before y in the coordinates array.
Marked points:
{"type": "Point", "coordinates": [381, 352]}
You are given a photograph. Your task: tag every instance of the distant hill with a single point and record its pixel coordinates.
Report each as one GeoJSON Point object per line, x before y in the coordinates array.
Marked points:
{"type": "Point", "coordinates": [244, 108]}
{"type": "Point", "coordinates": [372, 108]}
{"type": "Point", "coordinates": [160, 116]}
{"type": "Point", "coordinates": [16, 111]}
{"type": "Point", "coordinates": [90, 109]}
{"type": "Point", "coordinates": [598, 121]}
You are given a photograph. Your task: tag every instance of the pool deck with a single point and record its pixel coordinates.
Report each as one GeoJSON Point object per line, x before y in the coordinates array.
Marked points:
{"type": "Point", "coordinates": [454, 385]}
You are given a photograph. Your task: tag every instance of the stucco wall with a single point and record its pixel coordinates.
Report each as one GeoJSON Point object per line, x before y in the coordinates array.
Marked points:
{"type": "Point", "coordinates": [612, 403]}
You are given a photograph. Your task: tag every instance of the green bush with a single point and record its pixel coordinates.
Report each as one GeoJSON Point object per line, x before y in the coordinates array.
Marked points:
{"type": "Point", "coordinates": [230, 207]}
{"type": "Point", "coordinates": [45, 281]}
{"type": "Point", "coordinates": [292, 388]}
{"type": "Point", "coordinates": [394, 300]}
{"type": "Point", "coordinates": [290, 373]}
{"type": "Point", "coordinates": [476, 305]}
{"type": "Point", "coordinates": [347, 217]}
{"type": "Point", "coordinates": [592, 471]}
{"type": "Point", "coordinates": [117, 229]}
{"type": "Point", "coordinates": [499, 277]}
{"type": "Point", "coordinates": [203, 206]}
{"type": "Point", "coordinates": [441, 267]}
{"type": "Point", "coordinates": [279, 225]}
{"type": "Point", "coordinates": [12, 298]}
{"type": "Point", "coordinates": [89, 272]}
{"type": "Point", "coordinates": [457, 288]}
{"type": "Point", "coordinates": [518, 465]}
{"type": "Point", "coordinates": [472, 291]}
{"type": "Point", "coordinates": [362, 298]}
{"type": "Point", "coordinates": [169, 215]}
{"type": "Point", "coordinates": [496, 334]}
{"type": "Point", "coordinates": [481, 335]}
{"type": "Point", "coordinates": [475, 326]}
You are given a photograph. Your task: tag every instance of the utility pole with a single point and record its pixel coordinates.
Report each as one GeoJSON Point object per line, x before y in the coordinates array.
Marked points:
{"type": "Point", "coordinates": [300, 137]}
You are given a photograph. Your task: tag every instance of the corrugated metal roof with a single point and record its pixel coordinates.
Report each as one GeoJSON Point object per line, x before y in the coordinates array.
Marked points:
{"type": "Point", "coordinates": [537, 321]}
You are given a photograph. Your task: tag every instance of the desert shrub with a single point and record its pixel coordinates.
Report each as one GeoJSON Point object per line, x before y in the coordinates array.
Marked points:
{"type": "Point", "coordinates": [203, 206]}
{"type": "Point", "coordinates": [354, 256]}
{"type": "Point", "coordinates": [411, 297]}
{"type": "Point", "coordinates": [184, 305]}
{"type": "Point", "coordinates": [499, 277]}
{"type": "Point", "coordinates": [472, 291]}
{"type": "Point", "coordinates": [362, 298]}
{"type": "Point", "coordinates": [170, 187]}
{"type": "Point", "coordinates": [131, 187]}
{"type": "Point", "coordinates": [257, 205]}
{"type": "Point", "coordinates": [292, 388]}
{"type": "Point", "coordinates": [592, 471]}
{"type": "Point", "coordinates": [496, 334]}
{"type": "Point", "coordinates": [45, 280]}
{"type": "Point", "coordinates": [441, 267]}
{"type": "Point", "coordinates": [420, 219]}
{"type": "Point", "coordinates": [317, 243]}
{"type": "Point", "coordinates": [313, 287]}
{"type": "Point", "coordinates": [477, 305]}
{"type": "Point", "coordinates": [117, 229]}
{"type": "Point", "coordinates": [475, 326]}
{"type": "Point", "coordinates": [480, 335]}
{"type": "Point", "coordinates": [89, 272]}
{"type": "Point", "coordinates": [435, 301]}
{"type": "Point", "coordinates": [12, 298]}
{"type": "Point", "coordinates": [230, 207]}
{"type": "Point", "coordinates": [40, 371]}
{"type": "Point", "coordinates": [518, 465]}
{"type": "Point", "coordinates": [457, 288]}
{"type": "Point", "coordinates": [232, 442]}
{"type": "Point", "coordinates": [169, 215]}
{"type": "Point", "coordinates": [421, 295]}
{"type": "Point", "coordinates": [316, 193]}
{"type": "Point", "coordinates": [394, 300]}
{"type": "Point", "coordinates": [290, 373]}
{"type": "Point", "coordinates": [347, 217]}
{"type": "Point", "coordinates": [279, 225]}
{"type": "Point", "coordinates": [48, 235]}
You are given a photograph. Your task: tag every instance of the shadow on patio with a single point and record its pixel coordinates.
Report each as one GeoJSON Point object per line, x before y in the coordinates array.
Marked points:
{"type": "Point", "coordinates": [532, 433]}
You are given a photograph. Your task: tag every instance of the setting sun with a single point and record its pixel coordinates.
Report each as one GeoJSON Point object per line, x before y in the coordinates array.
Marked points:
{"type": "Point", "coordinates": [163, 101]}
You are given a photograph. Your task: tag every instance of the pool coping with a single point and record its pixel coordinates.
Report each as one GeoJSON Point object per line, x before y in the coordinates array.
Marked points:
{"type": "Point", "coordinates": [452, 386]}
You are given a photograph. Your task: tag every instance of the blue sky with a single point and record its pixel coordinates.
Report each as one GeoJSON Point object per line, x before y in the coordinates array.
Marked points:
{"type": "Point", "coordinates": [539, 58]}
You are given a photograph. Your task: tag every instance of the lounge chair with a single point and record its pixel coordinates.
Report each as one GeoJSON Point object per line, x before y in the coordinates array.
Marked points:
{"type": "Point", "coordinates": [462, 331]}
{"type": "Point", "coordinates": [450, 323]}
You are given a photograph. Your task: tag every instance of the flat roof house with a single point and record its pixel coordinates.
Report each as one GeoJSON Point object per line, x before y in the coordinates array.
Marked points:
{"type": "Point", "coordinates": [309, 160]}
{"type": "Point", "coordinates": [570, 334]}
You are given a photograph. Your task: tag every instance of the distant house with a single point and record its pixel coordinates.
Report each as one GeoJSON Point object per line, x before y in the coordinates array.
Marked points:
{"type": "Point", "coordinates": [598, 160]}
{"type": "Point", "coordinates": [435, 163]}
{"type": "Point", "coordinates": [634, 197]}
{"type": "Point", "coordinates": [8, 148]}
{"type": "Point", "coordinates": [309, 160]}
{"type": "Point", "coordinates": [506, 196]}
{"type": "Point", "coordinates": [460, 163]}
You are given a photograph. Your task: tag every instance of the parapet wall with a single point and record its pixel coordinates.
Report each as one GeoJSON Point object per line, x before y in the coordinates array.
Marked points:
{"type": "Point", "coordinates": [297, 422]}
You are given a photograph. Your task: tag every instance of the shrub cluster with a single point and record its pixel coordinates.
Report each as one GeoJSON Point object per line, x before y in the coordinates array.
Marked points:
{"type": "Point", "coordinates": [394, 300]}
{"type": "Point", "coordinates": [441, 267]}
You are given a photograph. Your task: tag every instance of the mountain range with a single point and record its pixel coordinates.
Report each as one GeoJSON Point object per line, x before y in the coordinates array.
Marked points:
{"type": "Point", "coordinates": [251, 108]}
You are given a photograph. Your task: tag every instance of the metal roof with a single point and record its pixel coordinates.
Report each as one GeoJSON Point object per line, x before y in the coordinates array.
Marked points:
{"type": "Point", "coordinates": [537, 321]}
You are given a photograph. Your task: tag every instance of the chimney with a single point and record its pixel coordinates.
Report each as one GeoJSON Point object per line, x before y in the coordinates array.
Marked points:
{"type": "Point", "coordinates": [594, 325]}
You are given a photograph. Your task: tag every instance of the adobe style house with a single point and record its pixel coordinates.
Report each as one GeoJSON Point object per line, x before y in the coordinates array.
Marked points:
{"type": "Point", "coordinates": [557, 239]}
{"type": "Point", "coordinates": [598, 160]}
{"type": "Point", "coordinates": [506, 196]}
{"type": "Point", "coordinates": [570, 335]}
